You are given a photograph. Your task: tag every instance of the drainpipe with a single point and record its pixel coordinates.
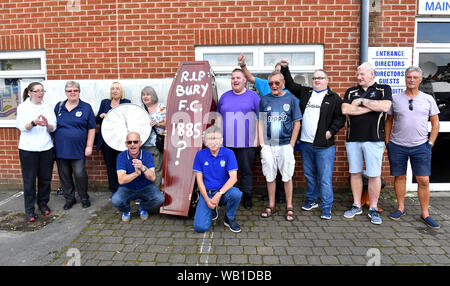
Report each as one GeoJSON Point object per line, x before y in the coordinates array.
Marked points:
{"type": "Point", "coordinates": [364, 37]}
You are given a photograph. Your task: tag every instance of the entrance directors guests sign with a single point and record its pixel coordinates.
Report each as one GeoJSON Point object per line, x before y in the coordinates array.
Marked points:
{"type": "Point", "coordinates": [390, 65]}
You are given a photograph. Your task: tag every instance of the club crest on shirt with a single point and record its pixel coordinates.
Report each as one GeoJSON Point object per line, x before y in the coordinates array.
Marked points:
{"type": "Point", "coordinates": [222, 163]}
{"type": "Point", "coordinates": [206, 163]}
{"type": "Point", "coordinates": [78, 113]}
{"type": "Point", "coordinates": [286, 107]}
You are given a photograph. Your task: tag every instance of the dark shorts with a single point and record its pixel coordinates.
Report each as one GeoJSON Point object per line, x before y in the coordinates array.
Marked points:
{"type": "Point", "coordinates": [419, 156]}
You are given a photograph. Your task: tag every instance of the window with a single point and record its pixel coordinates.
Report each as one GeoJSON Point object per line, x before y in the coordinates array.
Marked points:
{"type": "Point", "coordinates": [16, 68]}
{"type": "Point", "coordinates": [261, 60]}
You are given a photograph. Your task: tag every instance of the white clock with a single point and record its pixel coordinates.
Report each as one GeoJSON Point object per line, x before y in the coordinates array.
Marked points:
{"type": "Point", "coordinates": [123, 119]}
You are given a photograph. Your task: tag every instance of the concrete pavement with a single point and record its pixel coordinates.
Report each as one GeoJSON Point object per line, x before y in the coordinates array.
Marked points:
{"type": "Point", "coordinates": [96, 236]}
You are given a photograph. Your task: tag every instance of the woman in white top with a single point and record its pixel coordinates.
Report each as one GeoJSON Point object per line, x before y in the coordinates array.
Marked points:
{"type": "Point", "coordinates": [35, 120]}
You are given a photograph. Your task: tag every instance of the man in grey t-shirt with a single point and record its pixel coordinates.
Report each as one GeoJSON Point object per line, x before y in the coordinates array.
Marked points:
{"type": "Point", "coordinates": [406, 132]}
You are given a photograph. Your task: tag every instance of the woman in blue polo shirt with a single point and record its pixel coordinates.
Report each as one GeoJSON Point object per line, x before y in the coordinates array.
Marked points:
{"type": "Point", "coordinates": [74, 139]}
{"type": "Point", "coordinates": [109, 154]}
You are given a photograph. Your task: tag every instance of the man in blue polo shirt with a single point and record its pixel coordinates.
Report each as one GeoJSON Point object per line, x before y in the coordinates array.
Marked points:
{"type": "Point", "coordinates": [136, 174]}
{"type": "Point", "coordinates": [215, 170]}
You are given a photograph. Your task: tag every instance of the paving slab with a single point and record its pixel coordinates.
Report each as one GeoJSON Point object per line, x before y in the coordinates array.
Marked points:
{"type": "Point", "coordinates": [100, 238]}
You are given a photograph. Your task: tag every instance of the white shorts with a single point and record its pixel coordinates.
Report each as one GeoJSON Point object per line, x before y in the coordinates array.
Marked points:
{"type": "Point", "coordinates": [274, 158]}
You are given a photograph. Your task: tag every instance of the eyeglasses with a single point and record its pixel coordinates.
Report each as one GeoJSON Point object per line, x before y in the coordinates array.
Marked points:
{"type": "Point", "coordinates": [72, 90]}
{"type": "Point", "coordinates": [38, 91]}
{"type": "Point", "coordinates": [276, 83]}
{"type": "Point", "coordinates": [129, 142]}
{"type": "Point", "coordinates": [410, 104]}
{"type": "Point", "coordinates": [319, 78]}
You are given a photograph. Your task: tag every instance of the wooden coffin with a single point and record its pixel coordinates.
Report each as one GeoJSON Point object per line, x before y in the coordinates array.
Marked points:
{"type": "Point", "coordinates": [191, 103]}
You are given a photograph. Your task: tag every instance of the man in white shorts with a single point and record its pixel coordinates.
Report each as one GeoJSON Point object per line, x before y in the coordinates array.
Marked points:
{"type": "Point", "coordinates": [366, 105]}
{"type": "Point", "coordinates": [279, 125]}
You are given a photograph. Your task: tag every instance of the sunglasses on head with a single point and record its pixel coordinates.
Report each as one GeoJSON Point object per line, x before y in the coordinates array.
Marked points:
{"type": "Point", "coordinates": [129, 142]}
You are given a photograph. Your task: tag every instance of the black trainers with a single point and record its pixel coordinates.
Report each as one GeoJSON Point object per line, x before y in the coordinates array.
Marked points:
{"type": "Point", "coordinates": [247, 201]}
{"type": "Point", "coordinates": [85, 204]}
{"type": "Point", "coordinates": [232, 225]}
{"type": "Point", "coordinates": [45, 210]}
{"type": "Point", "coordinates": [69, 204]}
{"type": "Point", "coordinates": [30, 216]}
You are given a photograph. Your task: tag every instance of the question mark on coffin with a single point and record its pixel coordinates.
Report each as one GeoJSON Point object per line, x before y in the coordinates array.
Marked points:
{"type": "Point", "coordinates": [179, 149]}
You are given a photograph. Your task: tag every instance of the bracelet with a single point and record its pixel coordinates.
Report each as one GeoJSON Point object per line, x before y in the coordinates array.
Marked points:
{"type": "Point", "coordinates": [33, 123]}
{"type": "Point", "coordinates": [431, 143]}
{"type": "Point", "coordinates": [243, 65]}
{"type": "Point", "coordinates": [221, 193]}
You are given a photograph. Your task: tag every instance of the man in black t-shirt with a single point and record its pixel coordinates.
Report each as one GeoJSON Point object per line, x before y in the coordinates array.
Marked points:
{"type": "Point", "coordinates": [366, 106]}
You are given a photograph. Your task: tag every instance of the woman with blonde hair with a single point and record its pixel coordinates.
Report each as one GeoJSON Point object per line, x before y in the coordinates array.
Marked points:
{"type": "Point", "coordinates": [117, 96]}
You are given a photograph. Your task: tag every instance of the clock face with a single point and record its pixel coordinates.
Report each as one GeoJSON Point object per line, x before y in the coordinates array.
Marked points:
{"type": "Point", "coordinates": [123, 119]}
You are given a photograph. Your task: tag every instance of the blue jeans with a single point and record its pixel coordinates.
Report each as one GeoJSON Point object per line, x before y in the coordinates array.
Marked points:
{"type": "Point", "coordinates": [203, 214]}
{"type": "Point", "coordinates": [318, 164]}
{"type": "Point", "coordinates": [150, 197]}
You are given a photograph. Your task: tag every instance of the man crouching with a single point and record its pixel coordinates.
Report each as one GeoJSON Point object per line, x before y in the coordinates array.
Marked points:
{"type": "Point", "coordinates": [136, 174]}
{"type": "Point", "coordinates": [215, 170]}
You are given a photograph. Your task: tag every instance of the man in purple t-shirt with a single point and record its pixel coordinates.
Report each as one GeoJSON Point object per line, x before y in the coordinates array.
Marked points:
{"type": "Point", "coordinates": [238, 108]}
{"type": "Point", "coordinates": [408, 121]}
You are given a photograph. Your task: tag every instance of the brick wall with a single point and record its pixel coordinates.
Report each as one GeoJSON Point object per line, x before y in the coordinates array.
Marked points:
{"type": "Point", "coordinates": [121, 39]}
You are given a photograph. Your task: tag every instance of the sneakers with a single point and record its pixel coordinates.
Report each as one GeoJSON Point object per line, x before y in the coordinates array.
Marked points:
{"type": "Point", "coordinates": [45, 210]}
{"type": "Point", "coordinates": [143, 214]}
{"type": "Point", "coordinates": [126, 217]}
{"type": "Point", "coordinates": [232, 225]}
{"type": "Point", "coordinates": [355, 210]}
{"type": "Point", "coordinates": [30, 216]}
{"type": "Point", "coordinates": [326, 214]}
{"type": "Point", "coordinates": [309, 206]}
{"type": "Point", "coordinates": [374, 216]}
{"type": "Point", "coordinates": [430, 222]}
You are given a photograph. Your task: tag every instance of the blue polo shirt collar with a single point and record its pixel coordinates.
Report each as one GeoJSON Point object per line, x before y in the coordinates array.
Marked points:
{"type": "Point", "coordinates": [220, 154]}
{"type": "Point", "coordinates": [129, 157]}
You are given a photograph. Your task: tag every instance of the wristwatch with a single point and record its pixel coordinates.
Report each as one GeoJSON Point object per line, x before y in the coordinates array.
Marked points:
{"type": "Point", "coordinates": [431, 143]}
{"type": "Point", "coordinates": [221, 193]}
{"type": "Point", "coordinates": [33, 123]}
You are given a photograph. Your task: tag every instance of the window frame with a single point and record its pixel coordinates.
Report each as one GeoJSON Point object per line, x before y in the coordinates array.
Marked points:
{"type": "Point", "coordinates": [444, 125]}
{"type": "Point", "coordinates": [24, 76]}
{"type": "Point", "coordinates": [12, 55]}
{"type": "Point", "coordinates": [258, 52]}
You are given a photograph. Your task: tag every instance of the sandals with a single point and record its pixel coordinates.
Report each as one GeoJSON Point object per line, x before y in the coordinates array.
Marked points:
{"type": "Point", "coordinates": [268, 212]}
{"type": "Point", "coordinates": [290, 214]}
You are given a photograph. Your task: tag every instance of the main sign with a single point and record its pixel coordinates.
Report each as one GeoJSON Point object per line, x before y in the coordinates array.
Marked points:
{"type": "Point", "coordinates": [434, 7]}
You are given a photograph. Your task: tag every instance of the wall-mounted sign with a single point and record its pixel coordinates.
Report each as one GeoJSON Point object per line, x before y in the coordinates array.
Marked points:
{"type": "Point", "coordinates": [434, 7]}
{"type": "Point", "coordinates": [390, 65]}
